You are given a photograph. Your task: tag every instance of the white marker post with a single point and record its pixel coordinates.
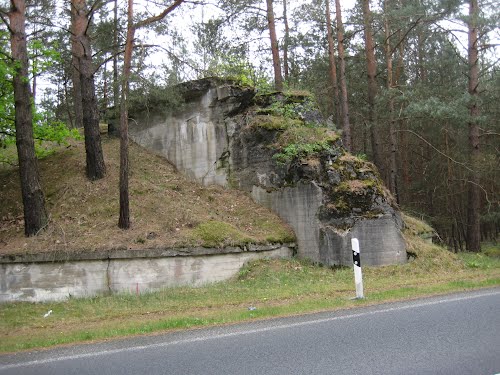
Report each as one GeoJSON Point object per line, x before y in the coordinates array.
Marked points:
{"type": "Point", "coordinates": [358, 276]}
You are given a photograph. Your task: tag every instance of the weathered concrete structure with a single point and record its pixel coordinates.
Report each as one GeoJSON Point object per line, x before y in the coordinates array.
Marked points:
{"type": "Point", "coordinates": [51, 277]}
{"type": "Point", "coordinates": [327, 198]}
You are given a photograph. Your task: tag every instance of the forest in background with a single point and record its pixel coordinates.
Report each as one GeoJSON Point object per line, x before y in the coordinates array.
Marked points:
{"type": "Point", "coordinates": [413, 85]}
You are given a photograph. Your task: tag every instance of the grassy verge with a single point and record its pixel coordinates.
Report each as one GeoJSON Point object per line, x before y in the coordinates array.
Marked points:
{"type": "Point", "coordinates": [273, 287]}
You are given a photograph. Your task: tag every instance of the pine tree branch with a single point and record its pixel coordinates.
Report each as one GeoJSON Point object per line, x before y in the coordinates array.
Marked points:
{"type": "Point", "coordinates": [4, 14]}
{"type": "Point", "coordinates": [158, 17]}
{"type": "Point", "coordinates": [415, 24]}
{"type": "Point", "coordinates": [480, 187]}
{"type": "Point", "coordinates": [435, 148]}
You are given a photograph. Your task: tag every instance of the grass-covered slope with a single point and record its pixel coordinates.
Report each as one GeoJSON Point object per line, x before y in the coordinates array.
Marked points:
{"type": "Point", "coordinates": [167, 210]}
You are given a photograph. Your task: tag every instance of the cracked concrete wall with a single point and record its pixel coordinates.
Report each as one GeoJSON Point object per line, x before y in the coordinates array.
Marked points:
{"type": "Point", "coordinates": [54, 281]}
{"type": "Point", "coordinates": [298, 206]}
{"type": "Point", "coordinates": [194, 139]}
{"type": "Point", "coordinates": [379, 241]}
{"type": "Point", "coordinates": [37, 282]}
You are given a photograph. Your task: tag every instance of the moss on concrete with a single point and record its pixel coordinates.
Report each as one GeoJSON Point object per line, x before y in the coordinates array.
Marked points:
{"type": "Point", "coordinates": [215, 233]}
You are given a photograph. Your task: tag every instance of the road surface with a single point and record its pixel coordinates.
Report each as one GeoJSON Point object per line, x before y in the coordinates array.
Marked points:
{"type": "Point", "coordinates": [454, 334]}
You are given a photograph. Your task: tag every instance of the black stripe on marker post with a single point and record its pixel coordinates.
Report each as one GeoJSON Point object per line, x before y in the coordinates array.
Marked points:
{"type": "Point", "coordinates": [356, 259]}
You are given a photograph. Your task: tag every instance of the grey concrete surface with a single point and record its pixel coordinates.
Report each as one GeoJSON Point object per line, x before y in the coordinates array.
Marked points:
{"type": "Point", "coordinates": [27, 278]}
{"type": "Point", "coordinates": [379, 240]}
{"type": "Point", "coordinates": [298, 206]}
{"type": "Point", "coordinates": [457, 334]}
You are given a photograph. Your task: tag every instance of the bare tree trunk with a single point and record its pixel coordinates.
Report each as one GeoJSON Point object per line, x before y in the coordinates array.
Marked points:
{"type": "Point", "coordinates": [124, 220]}
{"type": "Point", "coordinates": [116, 85]}
{"type": "Point", "coordinates": [35, 214]}
{"type": "Point", "coordinates": [278, 79]}
{"type": "Point", "coordinates": [287, 40]}
{"type": "Point", "coordinates": [67, 106]}
{"type": "Point", "coordinates": [393, 187]}
{"type": "Point", "coordinates": [420, 69]}
{"type": "Point", "coordinates": [371, 67]}
{"type": "Point", "coordinates": [34, 65]}
{"type": "Point", "coordinates": [333, 64]}
{"type": "Point", "coordinates": [105, 94]}
{"type": "Point", "coordinates": [421, 53]}
{"type": "Point", "coordinates": [474, 193]}
{"type": "Point", "coordinates": [346, 126]}
{"type": "Point", "coordinates": [95, 167]}
{"type": "Point", "coordinates": [76, 51]}
{"type": "Point", "coordinates": [33, 69]}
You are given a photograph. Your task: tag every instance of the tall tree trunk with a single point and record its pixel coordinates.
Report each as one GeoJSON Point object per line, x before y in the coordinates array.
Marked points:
{"type": "Point", "coordinates": [287, 40]}
{"type": "Point", "coordinates": [333, 64]}
{"type": "Point", "coordinates": [346, 126]}
{"type": "Point", "coordinates": [67, 106]}
{"type": "Point", "coordinates": [33, 69]}
{"type": "Point", "coordinates": [278, 79]}
{"type": "Point", "coordinates": [116, 84]}
{"type": "Point", "coordinates": [393, 174]}
{"type": "Point", "coordinates": [76, 52]}
{"type": "Point", "coordinates": [422, 74]}
{"type": "Point", "coordinates": [474, 193]}
{"type": "Point", "coordinates": [421, 71]}
{"type": "Point", "coordinates": [371, 67]}
{"type": "Point", "coordinates": [124, 220]}
{"type": "Point", "coordinates": [105, 98]}
{"type": "Point", "coordinates": [35, 215]}
{"type": "Point", "coordinates": [95, 166]}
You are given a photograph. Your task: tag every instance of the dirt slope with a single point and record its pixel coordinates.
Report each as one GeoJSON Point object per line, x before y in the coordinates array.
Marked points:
{"type": "Point", "coordinates": [167, 210]}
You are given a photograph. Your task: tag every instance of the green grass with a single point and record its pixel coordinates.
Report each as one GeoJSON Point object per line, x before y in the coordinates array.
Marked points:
{"type": "Point", "coordinates": [481, 261]}
{"type": "Point", "coordinates": [274, 287]}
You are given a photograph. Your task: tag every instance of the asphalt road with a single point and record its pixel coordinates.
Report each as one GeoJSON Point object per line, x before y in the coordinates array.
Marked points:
{"type": "Point", "coordinates": [455, 334]}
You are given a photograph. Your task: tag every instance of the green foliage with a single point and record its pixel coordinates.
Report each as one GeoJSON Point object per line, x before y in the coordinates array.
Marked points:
{"type": "Point", "coordinates": [303, 141]}
{"type": "Point", "coordinates": [6, 92]}
{"type": "Point", "coordinates": [443, 109]}
{"type": "Point", "coordinates": [150, 94]}
{"type": "Point", "coordinates": [47, 131]}
{"type": "Point", "coordinates": [53, 131]}
{"type": "Point", "coordinates": [362, 157]}
{"type": "Point", "coordinates": [47, 135]}
{"type": "Point", "coordinates": [42, 56]}
{"type": "Point", "coordinates": [295, 150]}
{"type": "Point", "coordinates": [285, 112]}
{"type": "Point", "coordinates": [240, 70]}
{"type": "Point", "coordinates": [294, 104]}
{"type": "Point", "coordinates": [295, 115]}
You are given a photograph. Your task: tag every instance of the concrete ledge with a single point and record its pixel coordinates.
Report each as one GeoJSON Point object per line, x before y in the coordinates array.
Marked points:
{"type": "Point", "coordinates": [63, 256]}
{"type": "Point", "coordinates": [54, 277]}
